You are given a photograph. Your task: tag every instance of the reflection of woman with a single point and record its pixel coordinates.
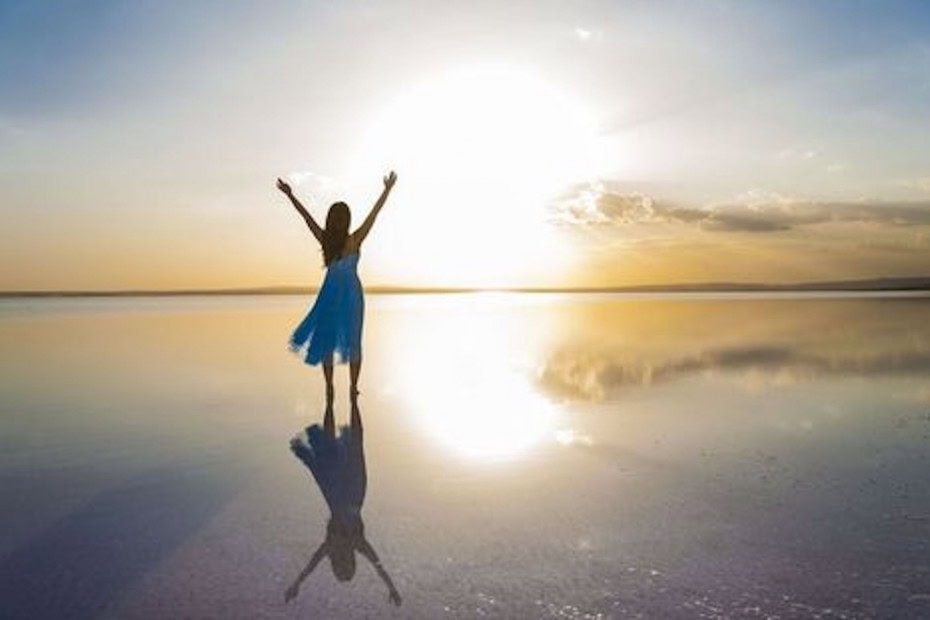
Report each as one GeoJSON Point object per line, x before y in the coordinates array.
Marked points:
{"type": "Point", "coordinates": [338, 466]}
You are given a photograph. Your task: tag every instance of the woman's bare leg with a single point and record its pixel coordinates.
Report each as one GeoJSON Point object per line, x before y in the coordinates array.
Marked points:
{"type": "Point", "coordinates": [329, 425]}
{"type": "Point", "coordinates": [356, 421]}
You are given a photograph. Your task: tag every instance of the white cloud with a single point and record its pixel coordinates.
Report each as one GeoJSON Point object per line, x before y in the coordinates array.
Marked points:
{"type": "Point", "coordinates": [920, 183]}
{"type": "Point", "coordinates": [798, 153]}
{"type": "Point", "coordinates": [317, 187]}
{"type": "Point", "coordinates": [598, 204]}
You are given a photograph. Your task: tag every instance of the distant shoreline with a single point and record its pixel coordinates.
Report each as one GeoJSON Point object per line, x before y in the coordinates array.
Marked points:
{"type": "Point", "coordinates": [872, 285]}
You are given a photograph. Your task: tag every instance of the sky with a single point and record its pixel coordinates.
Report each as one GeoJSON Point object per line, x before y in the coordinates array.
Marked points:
{"type": "Point", "coordinates": [565, 143]}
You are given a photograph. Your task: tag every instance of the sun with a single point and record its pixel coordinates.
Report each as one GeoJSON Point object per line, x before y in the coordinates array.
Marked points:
{"type": "Point", "coordinates": [481, 150]}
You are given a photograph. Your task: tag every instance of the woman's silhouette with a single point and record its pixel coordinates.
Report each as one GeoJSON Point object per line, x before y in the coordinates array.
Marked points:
{"type": "Point", "coordinates": [338, 466]}
{"type": "Point", "coordinates": [333, 327]}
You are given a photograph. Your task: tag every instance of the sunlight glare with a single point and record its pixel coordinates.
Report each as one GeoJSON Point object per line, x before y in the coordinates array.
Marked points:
{"type": "Point", "coordinates": [480, 151]}
{"type": "Point", "coordinates": [468, 389]}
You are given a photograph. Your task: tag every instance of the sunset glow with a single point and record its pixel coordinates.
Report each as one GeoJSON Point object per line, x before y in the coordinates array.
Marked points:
{"type": "Point", "coordinates": [537, 144]}
{"type": "Point", "coordinates": [482, 150]}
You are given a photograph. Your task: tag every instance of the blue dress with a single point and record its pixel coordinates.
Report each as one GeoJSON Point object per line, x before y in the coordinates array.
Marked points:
{"type": "Point", "coordinates": [334, 324]}
{"type": "Point", "coordinates": [338, 466]}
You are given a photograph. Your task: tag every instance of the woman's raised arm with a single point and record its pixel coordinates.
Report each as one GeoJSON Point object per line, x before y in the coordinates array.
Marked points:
{"type": "Point", "coordinates": [368, 551]}
{"type": "Point", "coordinates": [311, 223]}
{"type": "Point", "coordinates": [314, 560]}
{"type": "Point", "coordinates": [363, 230]}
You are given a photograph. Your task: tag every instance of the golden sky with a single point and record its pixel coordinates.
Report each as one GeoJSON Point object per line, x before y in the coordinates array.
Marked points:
{"type": "Point", "coordinates": [537, 143]}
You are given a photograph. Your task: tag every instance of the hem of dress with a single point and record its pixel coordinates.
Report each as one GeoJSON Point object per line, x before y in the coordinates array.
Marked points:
{"type": "Point", "coordinates": [339, 358]}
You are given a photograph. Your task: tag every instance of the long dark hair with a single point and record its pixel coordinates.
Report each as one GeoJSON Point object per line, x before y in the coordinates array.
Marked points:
{"type": "Point", "coordinates": [336, 231]}
{"type": "Point", "coordinates": [342, 539]}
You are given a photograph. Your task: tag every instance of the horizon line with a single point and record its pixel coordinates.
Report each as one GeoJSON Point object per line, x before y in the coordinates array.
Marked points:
{"type": "Point", "coordinates": [915, 283]}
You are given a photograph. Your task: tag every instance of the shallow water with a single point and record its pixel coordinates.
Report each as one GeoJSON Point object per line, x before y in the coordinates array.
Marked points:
{"type": "Point", "coordinates": [528, 455]}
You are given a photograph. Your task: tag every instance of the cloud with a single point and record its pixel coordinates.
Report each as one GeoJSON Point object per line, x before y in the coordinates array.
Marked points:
{"type": "Point", "coordinates": [583, 33]}
{"type": "Point", "coordinates": [797, 153]}
{"type": "Point", "coordinates": [596, 204]}
{"type": "Point", "coordinates": [921, 183]}
{"type": "Point", "coordinates": [316, 187]}
{"type": "Point", "coordinates": [587, 35]}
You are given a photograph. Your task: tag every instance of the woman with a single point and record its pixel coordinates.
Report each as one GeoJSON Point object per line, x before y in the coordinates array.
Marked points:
{"type": "Point", "coordinates": [334, 324]}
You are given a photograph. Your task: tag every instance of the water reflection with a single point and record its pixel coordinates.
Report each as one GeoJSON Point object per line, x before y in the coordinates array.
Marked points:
{"type": "Point", "coordinates": [468, 377]}
{"type": "Point", "coordinates": [584, 375]}
{"type": "Point", "coordinates": [775, 464]}
{"type": "Point", "coordinates": [337, 463]}
{"type": "Point", "coordinates": [613, 347]}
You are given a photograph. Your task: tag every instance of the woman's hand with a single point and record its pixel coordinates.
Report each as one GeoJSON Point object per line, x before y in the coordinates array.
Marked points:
{"type": "Point", "coordinates": [284, 187]}
{"type": "Point", "coordinates": [389, 180]}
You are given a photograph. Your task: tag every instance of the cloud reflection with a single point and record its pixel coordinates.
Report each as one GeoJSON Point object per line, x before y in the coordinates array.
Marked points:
{"type": "Point", "coordinates": [594, 377]}
{"type": "Point", "coordinates": [612, 348]}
